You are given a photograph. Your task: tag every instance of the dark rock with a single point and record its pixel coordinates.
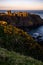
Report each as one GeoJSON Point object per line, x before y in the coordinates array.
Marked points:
{"type": "Point", "coordinates": [31, 20]}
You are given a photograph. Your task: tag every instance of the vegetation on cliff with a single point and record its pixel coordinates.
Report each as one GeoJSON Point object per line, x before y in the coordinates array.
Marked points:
{"type": "Point", "coordinates": [14, 39]}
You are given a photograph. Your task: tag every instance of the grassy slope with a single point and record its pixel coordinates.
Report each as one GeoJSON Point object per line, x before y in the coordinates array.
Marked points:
{"type": "Point", "coordinates": [15, 39]}
{"type": "Point", "coordinates": [12, 58]}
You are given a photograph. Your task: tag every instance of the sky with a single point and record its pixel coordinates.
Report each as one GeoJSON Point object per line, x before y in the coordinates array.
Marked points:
{"type": "Point", "coordinates": [21, 4]}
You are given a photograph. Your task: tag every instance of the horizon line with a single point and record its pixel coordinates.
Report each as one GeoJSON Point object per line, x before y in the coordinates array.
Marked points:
{"type": "Point", "coordinates": [20, 9]}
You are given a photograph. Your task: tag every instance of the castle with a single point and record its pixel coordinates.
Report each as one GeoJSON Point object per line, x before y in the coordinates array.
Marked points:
{"type": "Point", "coordinates": [24, 14]}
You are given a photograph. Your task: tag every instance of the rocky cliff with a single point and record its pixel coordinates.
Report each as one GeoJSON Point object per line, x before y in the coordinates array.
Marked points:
{"type": "Point", "coordinates": [31, 20]}
{"type": "Point", "coordinates": [15, 39]}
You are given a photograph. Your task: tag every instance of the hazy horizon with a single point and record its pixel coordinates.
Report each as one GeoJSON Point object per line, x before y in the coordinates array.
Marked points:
{"type": "Point", "coordinates": [21, 10]}
{"type": "Point", "coordinates": [21, 4]}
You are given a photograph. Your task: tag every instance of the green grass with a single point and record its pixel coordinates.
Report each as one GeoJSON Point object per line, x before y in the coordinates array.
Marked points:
{"type": "Point", "coordinates": [15, 39]}
{"type": "Point", "coordinates": [13, 58]}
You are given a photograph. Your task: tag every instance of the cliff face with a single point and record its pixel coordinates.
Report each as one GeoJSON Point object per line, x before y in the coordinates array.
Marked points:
{"type": "Point", "coordinates": [31, 20]}
{"type": "Point", "coordinates": [15, 39]}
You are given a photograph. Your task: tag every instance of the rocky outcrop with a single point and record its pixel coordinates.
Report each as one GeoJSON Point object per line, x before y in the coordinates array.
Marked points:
{"type": "Point", "coordinates": [31, 20]}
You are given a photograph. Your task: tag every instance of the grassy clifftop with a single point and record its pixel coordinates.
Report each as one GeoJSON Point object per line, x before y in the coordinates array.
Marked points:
{"type": "Point", "coordinates": [12, 58]}
{"type": "Point", "coordinates": [14, 39]}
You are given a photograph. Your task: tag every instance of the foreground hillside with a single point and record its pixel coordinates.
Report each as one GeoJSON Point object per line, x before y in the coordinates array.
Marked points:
{"type": "Point", "coordinates": [14, 39]}
{"type": "Point", "coordinates": [12, 58]}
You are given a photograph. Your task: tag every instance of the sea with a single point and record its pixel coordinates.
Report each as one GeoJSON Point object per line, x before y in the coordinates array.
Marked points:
{"type": "Point", "coordinates": [33, 32]}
